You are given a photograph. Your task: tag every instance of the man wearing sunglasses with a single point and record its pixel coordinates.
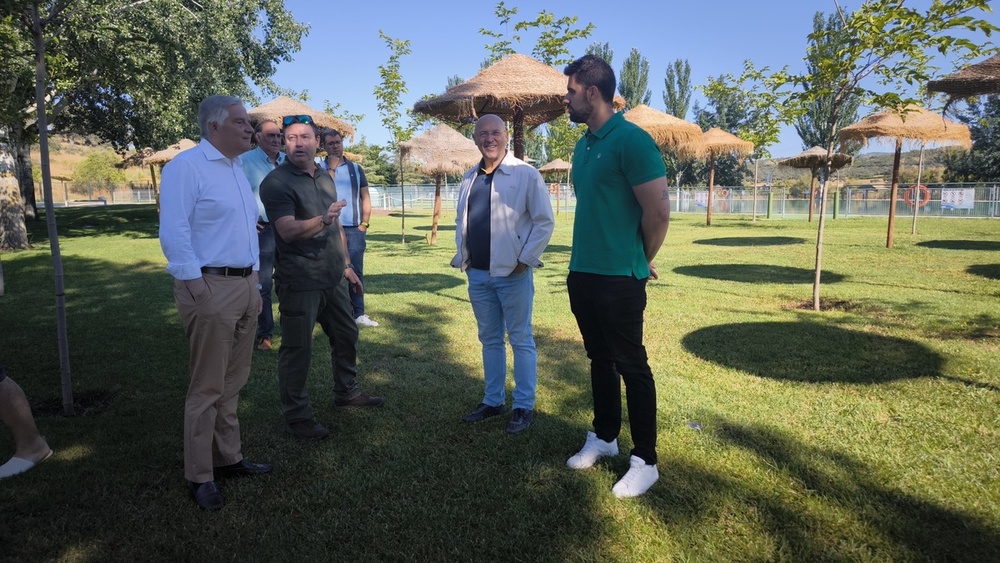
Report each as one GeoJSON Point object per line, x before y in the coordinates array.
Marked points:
{"type": "Point", "coordinates": [257, 163]}
{"type": "Point", "coordinates": [313, 276]}
{"type": "Point", "coordinates": [208, 232]}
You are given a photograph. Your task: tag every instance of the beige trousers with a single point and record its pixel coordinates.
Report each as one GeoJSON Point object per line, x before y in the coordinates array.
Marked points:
{"type": "Point", "coordinates": [220, 320]}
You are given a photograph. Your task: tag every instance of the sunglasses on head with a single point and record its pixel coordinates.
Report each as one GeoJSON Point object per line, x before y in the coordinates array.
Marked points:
{"type": "Point", "coordinates": [290, 119]}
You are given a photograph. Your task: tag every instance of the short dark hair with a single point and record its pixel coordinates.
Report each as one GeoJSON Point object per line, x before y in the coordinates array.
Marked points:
{"type": "Point", "coordinates": [329, 132]}
{"type": "Point", "coordinates": [311, 124]}
{"type": "Point", "coordinates": [591, 70]}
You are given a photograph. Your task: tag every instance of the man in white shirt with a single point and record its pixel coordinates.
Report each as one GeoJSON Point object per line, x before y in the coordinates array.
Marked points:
{"type": "Point", "coordinates": [208, 233]}
{"type": "Point", "coordinates": [352, 186]}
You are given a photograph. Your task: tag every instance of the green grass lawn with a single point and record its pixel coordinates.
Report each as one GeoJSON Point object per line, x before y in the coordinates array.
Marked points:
{"type": "Point", "coordinates": [867, 432]}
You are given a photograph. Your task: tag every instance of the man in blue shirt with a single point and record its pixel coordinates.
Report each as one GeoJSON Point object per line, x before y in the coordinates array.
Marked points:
{"type": "Point", "coordinates": [256, 164]}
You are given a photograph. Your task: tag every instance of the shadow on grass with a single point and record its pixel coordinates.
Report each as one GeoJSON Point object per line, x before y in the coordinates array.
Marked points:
{"type": "Point", "coordinates": [961, 244]}
{"type": "Point", "coordinates": [402, 283]}
{"type": "Point", "coordinates": [845, 496]}
{"type": "Point", "coordinates": [133, 221]}
{"type": "Point", "coordinates": [755, 273]}
{"type": "Point", "coordinates": [364, 494]}
{"type": "Point", "coordinates": [988, 271]}
{"type": "Point", "coordinates": [812, 353]}
{"type": "Point", "coordinates": [751, 241]}
{"type": "Point", "coordinates": [442, 227]}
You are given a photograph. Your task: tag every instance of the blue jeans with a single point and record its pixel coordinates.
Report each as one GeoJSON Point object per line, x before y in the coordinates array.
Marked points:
{"type": "Point", "coordinates": [609, 311]}
{"type": "Point", "coordinates": [504, 304]}
{"type": "Point", "coordinates": [265, 321]}
{"type": "Point", "coordinates": [356, 244]}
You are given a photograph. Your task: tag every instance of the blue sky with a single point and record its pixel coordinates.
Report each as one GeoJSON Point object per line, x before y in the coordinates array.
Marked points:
{"type": "Point", "coordinates": [340, 56]}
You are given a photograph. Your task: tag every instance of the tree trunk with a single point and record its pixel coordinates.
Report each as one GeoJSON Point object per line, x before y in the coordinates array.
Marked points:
{"type": "Point", "coordinates": [894, 192]}
{"type": "Point", "coordinates": [819, 241]}
{"type": "Point", "coordinates": [13, 234]}
{"type": "Point", "coordinates": [26, 181]}
{"type": "Point", "coordinates": [37, 32]}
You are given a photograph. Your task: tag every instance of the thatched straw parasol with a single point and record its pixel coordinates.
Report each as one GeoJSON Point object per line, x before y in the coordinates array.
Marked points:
{"type": "Point", "coordinates": [975, 80]}
{"type": "Point", "coordinates": [714, 143]}
{"type": "Point", "coordinates": [518, 88]}
{"type": "Point", "coordinates": [913, 123]}
{"type": "Point", "coordinates": [278, 108]}
{"type": "Point", "coordinates": [668, 131]}
{"type": "Point", "coordinates": [442, 151]}
{"type": "Point", "coordinates": [167, 154]}
{"type": "Point", "coordinates": [159, 158]}
{"type": "Point", "coordinates": [557, 165]}
{"type": "Point", "coordinates": [814, 159]}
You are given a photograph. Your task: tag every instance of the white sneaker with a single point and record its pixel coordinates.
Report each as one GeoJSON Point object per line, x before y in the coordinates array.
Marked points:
{"type": "Point", "coordinates": [594, 449]}
{"type": "Point", "coordinates": [639, 478]}
{"type": "Point", "coordinates": [364, 320]}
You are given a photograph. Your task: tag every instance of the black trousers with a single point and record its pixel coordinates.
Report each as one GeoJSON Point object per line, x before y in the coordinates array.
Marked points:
{"type": "Point", "coordinates": [609, 311]}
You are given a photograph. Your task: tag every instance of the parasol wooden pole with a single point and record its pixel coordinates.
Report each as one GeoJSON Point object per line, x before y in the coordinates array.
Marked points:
{"type": "Point", "coordinates": [893, 192]}
{"type": "Point", "coordinates": [711, 188]}
{"type": "Point", "coordinates": [812, 194]}
{"type": "Point", "coordinates": [518, 132]}
{"type": "Point", "coordinates": [437, 208]}
{"type": "Point", "coordinates": [917, 196]}
{"type": "Point", "coordinates": [156, 189]}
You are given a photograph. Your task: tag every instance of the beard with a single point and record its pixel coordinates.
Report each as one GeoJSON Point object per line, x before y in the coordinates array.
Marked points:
{"type": "Point", "coordinates": [580, 115]}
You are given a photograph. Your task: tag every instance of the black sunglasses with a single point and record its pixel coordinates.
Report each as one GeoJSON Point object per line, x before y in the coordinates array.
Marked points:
{"type": "Point", "coordinates": [290, 119]}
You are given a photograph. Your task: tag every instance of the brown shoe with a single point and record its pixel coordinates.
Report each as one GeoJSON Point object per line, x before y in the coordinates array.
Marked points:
{"type": "Point", "coordinates": [264, 345]}
{"type": "Point", "coordinates": [308, 429]}
{"type": "Point", "coordinates": [361, 400]}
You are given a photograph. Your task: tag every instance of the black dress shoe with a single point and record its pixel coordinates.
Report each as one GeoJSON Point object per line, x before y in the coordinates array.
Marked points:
{"type": "Point", "coordinates": [242, 468]}
{"type": "Point", "coordinates": [206, 495]}
{"type": "Point", "coordinates": [484, 411]}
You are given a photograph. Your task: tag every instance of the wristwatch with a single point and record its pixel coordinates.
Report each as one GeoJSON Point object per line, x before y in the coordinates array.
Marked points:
{"type": "Point", "coordinates": [365, 224]}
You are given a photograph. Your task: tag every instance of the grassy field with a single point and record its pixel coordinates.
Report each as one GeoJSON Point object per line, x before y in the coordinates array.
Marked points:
{"type": "Point", "coordinates": [868, 432]}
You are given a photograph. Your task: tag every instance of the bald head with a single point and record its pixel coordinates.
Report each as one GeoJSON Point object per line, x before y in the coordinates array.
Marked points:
{"type": "Point", "coordinates": [491, 139]}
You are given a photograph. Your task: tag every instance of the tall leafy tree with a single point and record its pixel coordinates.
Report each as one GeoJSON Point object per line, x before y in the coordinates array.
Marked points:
{"type": "Point", "coordinates": [884, 54]}
{"type": "Point", "coordinates": [982, 163]}
{"type": "Point", "coordinates": [602, 50]}
{"type": "Point", "coordinates": [677, 88]}
{"type": "Point", "coordinates": [633, 80]}
{"type": "Point", "coordinates": [133, 72]}
{"type": "Point", "coordinates": [388, 94]}
{"type": "Point", "coordinates": [813, 126]}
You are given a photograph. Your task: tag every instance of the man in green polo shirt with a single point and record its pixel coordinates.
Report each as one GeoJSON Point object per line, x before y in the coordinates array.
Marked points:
{"type": "Point", "coordinates": [313, 276]}
{"type": "Point", "coordinates": [622, 213]}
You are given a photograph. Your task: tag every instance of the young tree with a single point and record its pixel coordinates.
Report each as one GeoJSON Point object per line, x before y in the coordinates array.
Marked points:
{"type": "Point", "coordinates": [883, 52]}
{"type": "Point", "coordinates": [97, 170]}
{"type": "Point", "coordinates": [633, 80]}
{"type": "Point", "coordinates": [388, 94]}
{"type": "Point", "coordinates": [502, 46]}
{"type": "Point", "coordinates": [813, 125]}
{"type": "Point", "coordinates": [677, 88]}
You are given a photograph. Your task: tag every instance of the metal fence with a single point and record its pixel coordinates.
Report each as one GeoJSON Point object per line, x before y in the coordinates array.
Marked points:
{"type": "Point", "coordinates": [969, 200]}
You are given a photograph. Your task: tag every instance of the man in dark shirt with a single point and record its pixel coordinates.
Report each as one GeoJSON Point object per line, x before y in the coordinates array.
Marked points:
{"type": "Point", "coordinates": [313, 277]}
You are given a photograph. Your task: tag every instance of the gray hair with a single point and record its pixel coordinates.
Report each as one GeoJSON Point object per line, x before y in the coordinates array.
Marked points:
{"type": "Point", "coordinates": [214, 109]}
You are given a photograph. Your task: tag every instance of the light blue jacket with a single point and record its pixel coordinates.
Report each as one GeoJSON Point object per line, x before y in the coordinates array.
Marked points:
{"type": "Point", "coordinates": [521, 220]}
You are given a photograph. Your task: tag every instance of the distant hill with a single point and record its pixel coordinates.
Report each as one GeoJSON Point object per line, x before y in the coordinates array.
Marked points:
{"type": "Point", "coordinates": [866, 169]}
